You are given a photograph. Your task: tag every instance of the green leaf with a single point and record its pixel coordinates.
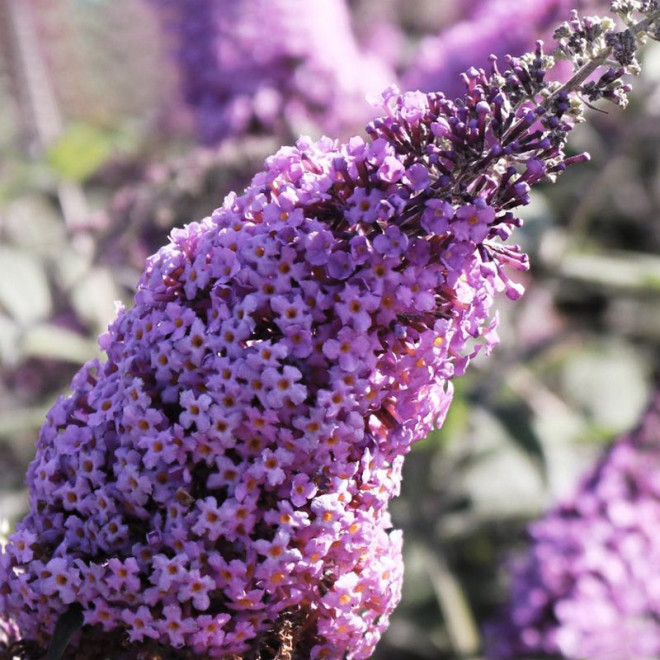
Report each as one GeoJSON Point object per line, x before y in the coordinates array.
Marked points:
{"type": "Point", "coordinates": [66, 627]}
{"type": "Point", "coordinates": [79, 152]}
{"type": "Point", "coordinates": [24, 290]}
{"type": "Point", "coordinates": [617, 271]}
{"type": "Point", "coordinates": [57, 343]}
{"type": "Point", "coordinates": [518, 420]}
{"type": "Point", "coordinates": [22, 420]}
{"type": "Point", "coordinates": [94, 297]}
{"type": "Point", "coordinates": [10, 338]}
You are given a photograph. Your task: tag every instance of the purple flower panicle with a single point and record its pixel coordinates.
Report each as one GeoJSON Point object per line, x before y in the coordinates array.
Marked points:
{"type": "Point", "coordinates": [219, 485]}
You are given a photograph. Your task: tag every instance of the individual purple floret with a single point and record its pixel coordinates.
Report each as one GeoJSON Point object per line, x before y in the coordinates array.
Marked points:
{"type": "Point", "coordinates": [588, 587]}
{"type": "Point", "coordinates": [277, 67]}
{"type": "Point", "coordinates": [219, 486]}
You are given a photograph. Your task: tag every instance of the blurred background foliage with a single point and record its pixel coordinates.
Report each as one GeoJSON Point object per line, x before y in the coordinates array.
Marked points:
{"type": "Point", "coordinates": [98, 161]}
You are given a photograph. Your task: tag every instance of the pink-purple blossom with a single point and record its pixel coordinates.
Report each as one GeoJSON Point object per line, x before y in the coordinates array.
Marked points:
{"type": "Point", "coordinates": [261, 421]}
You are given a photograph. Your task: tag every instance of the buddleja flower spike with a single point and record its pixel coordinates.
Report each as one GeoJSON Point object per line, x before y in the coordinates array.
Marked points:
{"type": "Point", "coordinates": [220, 484]}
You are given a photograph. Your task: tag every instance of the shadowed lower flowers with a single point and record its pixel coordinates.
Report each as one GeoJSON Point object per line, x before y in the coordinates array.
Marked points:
{"type": "Point", "coordinates": [219, 486]}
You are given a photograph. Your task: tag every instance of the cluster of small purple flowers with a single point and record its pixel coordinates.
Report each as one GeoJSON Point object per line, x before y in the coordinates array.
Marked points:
{"type": "Point", "coordinates": [588, 587]}
{"type": "Point", "coordinates": [280, 67]}
{"type": "Point", "coordinates": [221, 482]}
{"type": "Point", "coordinates": [230, 465]}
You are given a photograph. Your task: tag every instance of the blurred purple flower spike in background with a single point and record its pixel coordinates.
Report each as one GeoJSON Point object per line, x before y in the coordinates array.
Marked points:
{"type": "Point", "coordinates": [588, 585]}
{"type": "Point", "coordinates": [270, 67]}
{"type": "Point", "coordinates": [498, 27]}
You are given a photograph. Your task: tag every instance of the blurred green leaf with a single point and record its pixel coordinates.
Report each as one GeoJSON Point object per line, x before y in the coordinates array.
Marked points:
{"type": "Point", "coordinates": [10, 334]}
{"type": "Point", "coordinates": [620, 271]}
{"type": "Point", "coordinates": [94, 297]}
{"type": "Point", "coordinates": [518, 420]}
{"type": "Point", "coordinates": [452, 599]}
{"type": "Point", "coordinates": [32, 222]}
{"type": "Point", "coordinates": [606, 381]}
{"type": "Point", "coordinates": [79, 152]}
{"type": "Point", "coordinates": [58, 343]}
{"type": "Point", "coordinates": [20, 176]}
{"type": "Point", "coordinates": [21, 420]}
{"type": "Point", "coordinates": [24, 289]}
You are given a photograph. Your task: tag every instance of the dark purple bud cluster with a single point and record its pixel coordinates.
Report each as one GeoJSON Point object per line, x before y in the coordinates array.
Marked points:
{"type": "Point", "coordinates": [220, 484]}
